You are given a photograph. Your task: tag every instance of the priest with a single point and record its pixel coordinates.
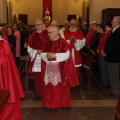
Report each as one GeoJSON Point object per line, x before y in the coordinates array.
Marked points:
{"type": "Point", "coordinates": [58, 71]}
{"type": "Point", "coordinates": [75, 38]}
{"type": "Point", "coordinates": [35, 43]}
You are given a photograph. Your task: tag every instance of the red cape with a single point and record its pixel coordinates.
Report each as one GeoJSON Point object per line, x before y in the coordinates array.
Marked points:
{"type": "Point", "coordinates": [36, 41]}
{"type": "Point", "coordinates": [9, 77]}
{"type": "Point", "coordinates": [67, 69]}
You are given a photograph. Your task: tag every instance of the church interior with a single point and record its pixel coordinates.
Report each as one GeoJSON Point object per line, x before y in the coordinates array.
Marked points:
{"type": "Point", "coordinates": [90, 100]}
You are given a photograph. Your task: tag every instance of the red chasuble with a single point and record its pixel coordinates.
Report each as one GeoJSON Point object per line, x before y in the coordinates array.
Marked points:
{"type": "Point", "coordinates": [56, 96]}
{"type": "Point", "coordinates": [10, 80]}
{"type": "Point", "coordinates": [79, 36]}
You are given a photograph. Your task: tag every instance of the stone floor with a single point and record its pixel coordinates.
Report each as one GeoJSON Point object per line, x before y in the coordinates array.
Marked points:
{"type": "Point", "coordinates": [92, 105]}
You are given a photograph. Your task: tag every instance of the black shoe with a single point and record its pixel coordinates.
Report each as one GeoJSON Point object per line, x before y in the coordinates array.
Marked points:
{"type": "Point", "coordinates": [48, 109]}
{"type": "Point", "coordinates": [44, 108]}
{"type": "Point", "coordinates": [39, 98]}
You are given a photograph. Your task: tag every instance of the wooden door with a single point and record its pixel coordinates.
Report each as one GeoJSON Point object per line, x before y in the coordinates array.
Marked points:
{"type": "Point", "coordinates": [23, 18]}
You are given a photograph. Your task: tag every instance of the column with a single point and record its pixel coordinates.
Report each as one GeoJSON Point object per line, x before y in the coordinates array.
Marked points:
{"type": "Point", "coordinates": [3, 11]}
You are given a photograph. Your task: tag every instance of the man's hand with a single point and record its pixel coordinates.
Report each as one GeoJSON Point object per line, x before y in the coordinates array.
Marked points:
{"type": "Point", "coordinates": [39, 52]}
{"type": "Point", "coordinates": [72, 38]}
{"type": "Point", "coordinates": [50, 55]}
{"type": "Point", "coordinates": [102, 52]}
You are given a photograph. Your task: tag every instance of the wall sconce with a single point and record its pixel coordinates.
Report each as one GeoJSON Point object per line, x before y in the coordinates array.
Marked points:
{"type": "Point", "coordinates": [76, 1]}
{"type": "Point", "coordinates": [17, 1]}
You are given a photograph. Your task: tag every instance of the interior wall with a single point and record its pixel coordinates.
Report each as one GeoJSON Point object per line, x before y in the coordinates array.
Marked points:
{"type": "Point", "coordinates": [61, 8]}
{"type": "Point", "coordinates": [33, 8]}
{"type": "Point", "coordinates": [3, 11]}
{"type": "Point", "coordinates": [96, 12]}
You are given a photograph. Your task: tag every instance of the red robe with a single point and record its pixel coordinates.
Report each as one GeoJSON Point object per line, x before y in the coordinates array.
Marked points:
{"type": "Point", "coordinates": [59, 95]}
{"type": "Point", "coordinates": [10, 80]}
{"type": "Point", "coordinates": [79, 36]}
{"type": "Point", "coordinates": [36, 41]}
{"type": "Point", "coordinates": [4, 34]}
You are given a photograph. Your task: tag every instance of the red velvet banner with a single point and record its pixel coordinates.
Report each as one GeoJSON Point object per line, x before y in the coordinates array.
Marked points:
{"type": "Point", "coordinates": [47, 4]}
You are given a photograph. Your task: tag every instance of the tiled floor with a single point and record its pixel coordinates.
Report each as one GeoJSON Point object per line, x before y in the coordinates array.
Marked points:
{"type": "Point", "coordinates": [87, 106]}
{"type": "Point", "coordinates": [95, 105]}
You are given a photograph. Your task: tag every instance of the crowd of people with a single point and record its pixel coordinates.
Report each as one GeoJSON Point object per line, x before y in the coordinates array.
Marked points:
{"type": "Point", "coordinates": [56, 56]}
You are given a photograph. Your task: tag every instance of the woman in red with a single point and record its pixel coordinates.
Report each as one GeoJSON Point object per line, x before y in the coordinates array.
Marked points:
{"type": "Point", "coordinates": [9, 80]}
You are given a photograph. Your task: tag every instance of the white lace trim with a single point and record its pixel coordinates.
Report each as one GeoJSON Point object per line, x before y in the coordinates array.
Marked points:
{"type": "Point", "coordinates": [52, 73]}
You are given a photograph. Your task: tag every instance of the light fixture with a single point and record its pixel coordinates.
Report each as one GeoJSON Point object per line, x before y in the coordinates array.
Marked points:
{"type": "Point", "coordinates": [17, 1]}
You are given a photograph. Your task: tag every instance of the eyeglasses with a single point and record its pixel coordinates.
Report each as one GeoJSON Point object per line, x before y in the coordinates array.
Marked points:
{"type": "Point", "coordinates": [38, 24]}
{"type": "Point", "coordinates": [73, 24]}
{"type": "Point", "coordinates": [50, 32]}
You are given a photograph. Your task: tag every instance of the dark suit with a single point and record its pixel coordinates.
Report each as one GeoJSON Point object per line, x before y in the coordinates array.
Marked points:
{"type": "Point", "coordinates": [112, 49]}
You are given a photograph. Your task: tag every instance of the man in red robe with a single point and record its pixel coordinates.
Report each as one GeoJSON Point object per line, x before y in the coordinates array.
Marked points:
{"type": "Point", "coordinates": [58, 71]}
{"type": "Point", "coordinates": [75, 38]}
{"type": "Point", "coordinates": [9, 80]}
{"type": "Point", "coordinates": [35, 43]}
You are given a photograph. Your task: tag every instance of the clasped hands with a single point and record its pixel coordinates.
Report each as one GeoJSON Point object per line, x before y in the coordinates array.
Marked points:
{"type": "Point", "coordinates": [50, 55]}
{"type": "Point", "coordinates": [39, 52]}
{"type": "Point", "coordinates": [72, 38]}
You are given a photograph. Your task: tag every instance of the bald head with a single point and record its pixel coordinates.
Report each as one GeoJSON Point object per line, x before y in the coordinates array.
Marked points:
{"type": "Point", "coordinates": [73, 20]}
{"type": "Point", "coordinates": [39, 25]}
{"type": "Point", "coordinates": [53, 27]}
{"type": "Point", "coordinates": [53, 32]}
{"type": "Point", "coordinates": [66, 24]}
{"type": "Point", "coordinates": [38, 21]}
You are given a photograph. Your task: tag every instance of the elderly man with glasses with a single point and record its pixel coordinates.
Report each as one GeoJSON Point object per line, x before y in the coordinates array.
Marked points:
{"type": "Point", "coordinates": [35, 43]}
{"type": "Point", "coordinates": [75, 38]}
{"type": "Point", "coordinates": [58, 71]}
